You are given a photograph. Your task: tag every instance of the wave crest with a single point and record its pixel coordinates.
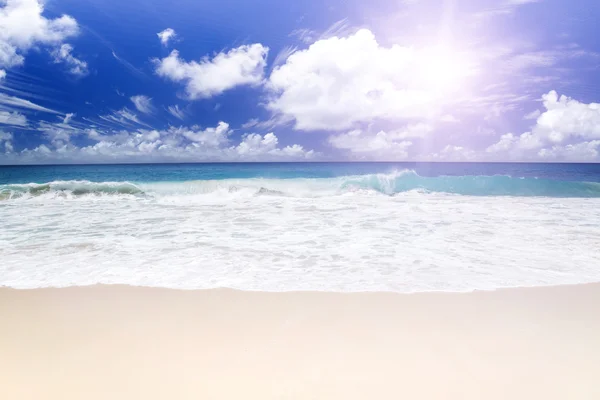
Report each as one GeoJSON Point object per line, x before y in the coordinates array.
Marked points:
{"type": "Point", "coordinates": [387, 184]}
{"type": "Point", "coordinates": [73, 188]}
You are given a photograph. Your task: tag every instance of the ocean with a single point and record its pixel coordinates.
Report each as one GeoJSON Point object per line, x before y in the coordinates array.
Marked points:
{"type": "Point", "coordinates": [350, 227]}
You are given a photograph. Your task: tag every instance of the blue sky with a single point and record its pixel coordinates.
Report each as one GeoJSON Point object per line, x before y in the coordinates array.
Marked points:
{"type": "Point", "coordinates": [182, 81]}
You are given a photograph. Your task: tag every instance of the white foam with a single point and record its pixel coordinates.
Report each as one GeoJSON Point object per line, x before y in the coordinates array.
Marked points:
{"type": "Point", "coordinates": [354, 241]}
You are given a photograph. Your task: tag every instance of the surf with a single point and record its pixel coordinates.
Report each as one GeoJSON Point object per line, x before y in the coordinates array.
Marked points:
{"type": "Point", "coordinates": [389, 184]}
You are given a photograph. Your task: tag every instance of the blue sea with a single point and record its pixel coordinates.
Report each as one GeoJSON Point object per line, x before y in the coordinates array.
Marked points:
{"type": "Point", "coordinates": [401, 227]}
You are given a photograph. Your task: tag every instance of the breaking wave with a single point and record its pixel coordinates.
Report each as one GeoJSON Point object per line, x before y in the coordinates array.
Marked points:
{"type": "Point", "coordinates": [388, 184]}
{"type": "Point", "coordinates": [64, 188]}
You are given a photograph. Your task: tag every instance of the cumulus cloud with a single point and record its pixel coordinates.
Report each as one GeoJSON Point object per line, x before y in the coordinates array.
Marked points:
{"type": "Point", "coordinates": [567, 118]}
{"type": "Point", "coordinates": [166, 35]}
{"type": "Point", "coordinates": [243, 65]}
{"type": "Point", "coordinates": [584, 151]}
{"type": "Point", "coordinates": [23, 26]}
{"type": "Point", "coordinates": [2, 74]}
{"type": "Point", "coordinates": [378, 146]}
{"type": "Point", "coordinates": [340, 81]}
{"type": "Point", "coordinates": [63, 55]}
{"type": "Point", "coordinates": [564, 120]}
{"type": "Point", "coordinates": [392, 144]}
{"type": "Point", "coordinates": [517, 144]}
{"type": "Point", "coordinates": [209, 137]}
{"type": "Point", "coordinates": [150, 145]}
{"type": "Point", "coordinates": [454, 153]}
{"type": "Point", "coordinates": [256, 147]}
{"type": "Point", "coordinates": [381, 145]}
{"type": "Point", "coordinates": [12, 118]}
{"type": "Point", "coordinates": [143, 104]}
{"type": "Point", "coordinates": [6, 142]}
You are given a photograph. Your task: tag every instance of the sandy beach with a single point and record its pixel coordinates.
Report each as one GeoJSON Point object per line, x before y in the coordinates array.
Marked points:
{"type": "Point", "coordinates": [118, 342]}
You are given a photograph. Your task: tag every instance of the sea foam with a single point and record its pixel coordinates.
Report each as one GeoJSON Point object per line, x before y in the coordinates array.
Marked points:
{"type": "Point", "coordinates": [355, 233]}
{"type": "Point", "coordinates": [389, 184]}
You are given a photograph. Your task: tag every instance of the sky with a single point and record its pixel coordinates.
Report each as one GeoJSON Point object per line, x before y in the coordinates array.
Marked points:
{"type": "Point", "coordinates": [107, 81]}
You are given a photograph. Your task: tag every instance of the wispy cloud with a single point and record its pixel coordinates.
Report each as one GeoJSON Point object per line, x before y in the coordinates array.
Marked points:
{"type": "Point", "coordinates": [176, 112]}
{"type": "Point", "coordinates": [135, 71]}
{"type": "Point", "coordinates": [283, 55]}
{"type": "Point", "coordinates": [504, 7]}
{"type": "Point", "coordinates": [68, 117]}
{"type": "Point", "coordinates": [305, 35]}
{"type": "Point", "coordinates": [124, 118]}
{"type": "Point", "coordinates": [143, 104]}
{"type": "Point", "coordinates": [12, 102]}
{"type": "Point", "coordinates": [338, 28]}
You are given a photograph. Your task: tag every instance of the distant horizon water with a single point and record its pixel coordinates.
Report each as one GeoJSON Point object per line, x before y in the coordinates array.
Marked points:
{"type": "Point", "coordinates": [400, 227]}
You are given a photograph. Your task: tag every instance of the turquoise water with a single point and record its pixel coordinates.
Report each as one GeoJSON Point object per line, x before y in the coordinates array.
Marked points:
{"type": "Point", "coordinates": [479, 179]}
{"type": "Point", "coordinates": [280, 227]}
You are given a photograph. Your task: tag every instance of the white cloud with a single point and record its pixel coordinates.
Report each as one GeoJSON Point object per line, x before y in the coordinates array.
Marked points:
{"type": "Point", "coordinates": [268, 124]}
{"type": "Point", "coordinates": [6, 142]}
{"type": "Point", "coordinates": [166, 35]}
{"type": "Point", "coordinates": [338, 82]}
{"type": "Point", "coordinates": [68, 117]}
{"type": "Point", "coordinates": [567, 118]}
{"type": "Point", "coordinates": [12, 102]}
{"type": "Point", "coordinates": [381, 145]}
{"type": "Point", "coordinates": [305, 35]}
{"type": "Point", "coordinates": [149, 145]}
{"type": "Point", "coordinates": [516, 144]}
{"type": "Point", "coordinates": [283, 55]}
{"type": "Point", "coordinates": [63, 55]}
{"type": "Point", "coordinates": [255, 147]}
{"type": "Point", "coordinates": [584, 151]}
{"type": "Point", "coordinates": [176, 112]}
{"type": "Point", "coordinates": [209, 137]}
{"type": "Point", "coordinates": [12, 118]}
{"type": "Point", "coordinates": [130, 67]}
{"type": "Point", "coordinates": [455, 153]}
{"type": "Point", "coordinates": [123, 118]}
{"type": "Point", "coordinates": [2, 74]}
{"type": "Point", "coordinates": [505, 143]}
{"type": "Point", "coordinates": [504, 7]}
{"type": "Point", "coordinates": [449, 118]}
{"type": "Point", "coordinates": [243, 65]}
{"type": "Point", "coordinates": [143, 104]}
{"type": "Point", "coordinates": [251, 123]}
{"type": "Point", "coordinates": [564, 120]}
{"type": "Point", "coordinates": [23, 27]}
{"type": "Point", "coordinates": [533, 115]}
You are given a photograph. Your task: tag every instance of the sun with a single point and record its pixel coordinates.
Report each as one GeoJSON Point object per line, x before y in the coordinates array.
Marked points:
{"type": "Point", "coordinates": [443, 69]}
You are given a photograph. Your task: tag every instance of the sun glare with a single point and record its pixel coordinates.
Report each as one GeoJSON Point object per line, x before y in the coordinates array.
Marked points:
{"type": "Point", "coordinates": [444, 70]}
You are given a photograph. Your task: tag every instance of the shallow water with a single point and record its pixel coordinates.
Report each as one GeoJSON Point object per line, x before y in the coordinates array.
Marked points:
{"type": "Point", "coordinates": [299, 227]}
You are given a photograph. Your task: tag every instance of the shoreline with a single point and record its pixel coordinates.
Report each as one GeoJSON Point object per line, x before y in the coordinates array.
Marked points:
{"type": "Point", "coordinates": [233, 289]}
{"type": "Point", "coordinates": [124, 342]}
